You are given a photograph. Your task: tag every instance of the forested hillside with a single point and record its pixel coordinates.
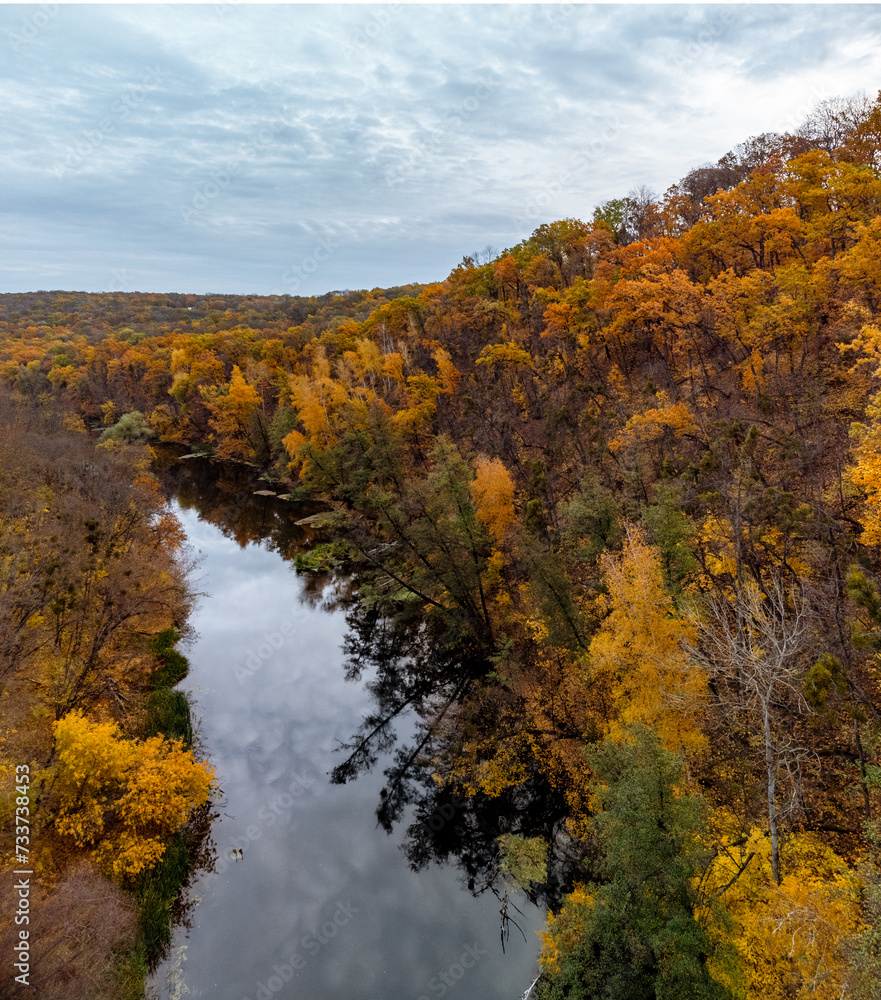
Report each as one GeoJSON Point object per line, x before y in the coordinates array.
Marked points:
{"type": "Point", "coordinates": [614, 495]}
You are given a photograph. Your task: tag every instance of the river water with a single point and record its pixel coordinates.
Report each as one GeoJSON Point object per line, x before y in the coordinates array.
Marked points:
{"type": "Point", "coordinates": [321, 903]}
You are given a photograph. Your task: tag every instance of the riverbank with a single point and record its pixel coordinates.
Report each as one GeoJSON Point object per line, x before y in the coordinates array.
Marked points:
{"type": "Point", "coordinates": [94, 592]}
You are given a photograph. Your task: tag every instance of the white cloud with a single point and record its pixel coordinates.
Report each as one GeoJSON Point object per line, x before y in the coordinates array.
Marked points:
{"type": "Point", "coordinates": [209, 147]}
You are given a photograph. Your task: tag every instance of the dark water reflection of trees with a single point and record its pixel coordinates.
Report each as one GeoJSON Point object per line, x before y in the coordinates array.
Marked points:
{"type": "Point", "coordinates": [408, 672]}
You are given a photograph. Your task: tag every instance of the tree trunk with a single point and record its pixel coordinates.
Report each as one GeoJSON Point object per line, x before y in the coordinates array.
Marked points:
{"type": "Point", "coordinates": [772, 799]}
{"type": "Point", "coordinates": [864, 781]}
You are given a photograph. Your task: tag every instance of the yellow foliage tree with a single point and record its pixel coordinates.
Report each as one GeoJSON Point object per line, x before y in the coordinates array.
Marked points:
{"type": "Point", "coordinates": [235, 416]}
{"type": "Point", "coordinates": [789, 937]}
{"type": "Point", "coordinates": [651, 425]}
{"type": "Point", "coordinates": [122, 797]}
{"type": "Point", "coordinates": [557, 319]}
{"type": "Point", "coordinates": [867, 471]}
{"type": "Point", "coordinates": [318, 399]}
{"type": "Point", "coordinates": [393, 367]}
{"type": "Point", "coordinates": [564, 929]}
{"type": "Point", "coordinates": [660, 301]}
{"type": "Point", "coordinates": [449, 373]}
{"type": "Point", "coordinates": [422, 393]}
{"type": "Point", "coordinates": [493, 493]}
{"type": "Point", "coordinates": [500, 354]}
{"type": "Point", "coordinates": [638, 653]}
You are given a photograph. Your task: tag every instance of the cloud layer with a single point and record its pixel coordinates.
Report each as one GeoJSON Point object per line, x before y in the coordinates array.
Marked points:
{"type": "Point", "coordinates": [272, 149]}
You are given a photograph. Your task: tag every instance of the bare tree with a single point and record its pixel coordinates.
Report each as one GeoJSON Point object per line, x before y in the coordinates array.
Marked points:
{"type": "Point", "coordinates": [832, 121]}
{"type": "Point", "coordinates": [751, 646]}
{"type": "Point", "coordinates": [77, 930]}
{"type": "Point", "coordinates": [642, 205]}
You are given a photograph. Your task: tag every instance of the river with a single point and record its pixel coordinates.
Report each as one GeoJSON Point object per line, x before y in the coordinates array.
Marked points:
{"type": "Point", "coordinates": [321, 903]}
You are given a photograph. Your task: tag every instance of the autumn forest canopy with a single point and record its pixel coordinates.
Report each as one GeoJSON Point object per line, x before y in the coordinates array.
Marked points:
{"type": "Point", "coordinates": [612, 495]}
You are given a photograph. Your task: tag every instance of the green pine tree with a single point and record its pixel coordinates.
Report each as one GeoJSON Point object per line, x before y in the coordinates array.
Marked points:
{"type": "Point", "coordinates": [641, 938]}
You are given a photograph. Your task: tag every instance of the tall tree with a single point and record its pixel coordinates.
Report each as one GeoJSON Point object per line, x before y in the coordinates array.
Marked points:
{"type": "Point", "coordinates": [751, 646]}
{"type": "Point", "coordinates": [638, 654]}
{"type": "Point", "coordinates": [635, 932]}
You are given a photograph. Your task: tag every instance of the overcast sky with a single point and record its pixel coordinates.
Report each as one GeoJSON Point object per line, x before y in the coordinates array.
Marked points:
{"type": "Point", "coordinates": [269, 149]}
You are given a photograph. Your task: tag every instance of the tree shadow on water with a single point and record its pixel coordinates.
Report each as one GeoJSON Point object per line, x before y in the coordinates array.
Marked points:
{"type": "Point", "coordinates": [419, 682]}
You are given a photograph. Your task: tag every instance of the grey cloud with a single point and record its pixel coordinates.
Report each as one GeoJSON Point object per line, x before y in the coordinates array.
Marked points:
{"type": "Point", "coordinates": [401, 125]}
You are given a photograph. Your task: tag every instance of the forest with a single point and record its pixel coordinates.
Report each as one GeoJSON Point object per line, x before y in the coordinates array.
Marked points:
{"type": "Point", "coordinates": [611, 495]}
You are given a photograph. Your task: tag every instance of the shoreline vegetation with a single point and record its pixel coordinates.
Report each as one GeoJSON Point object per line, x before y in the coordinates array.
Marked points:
{"type": "Point", "coordinates": [95, 595]}
{"type": "Point", "coordinates": [613, 493]}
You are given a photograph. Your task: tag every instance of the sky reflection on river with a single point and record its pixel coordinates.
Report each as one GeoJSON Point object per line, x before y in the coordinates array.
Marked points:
{"type": "Point", "coordinates": [323, 904]}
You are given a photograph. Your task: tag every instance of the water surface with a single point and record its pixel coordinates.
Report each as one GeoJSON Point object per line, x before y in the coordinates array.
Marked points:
{"type": "Point", "coordinates": [322, 904]}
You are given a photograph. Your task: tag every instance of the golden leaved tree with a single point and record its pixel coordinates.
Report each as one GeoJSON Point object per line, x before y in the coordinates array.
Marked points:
{"type": "Point", "coordinates": [638, 653]}
{"type": "Point", "coordinates": [236, 412]}
{"type": "Point", "coordinates": [867, 471]}
{"type": "Point", "coordinates": [492, 491]}
{"type": "Point", "coordinates": [123, 798]}
{"type": "Point", "coordinates": [790, 935]}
